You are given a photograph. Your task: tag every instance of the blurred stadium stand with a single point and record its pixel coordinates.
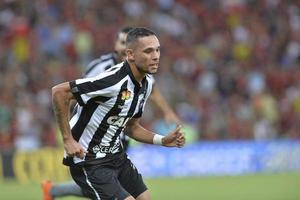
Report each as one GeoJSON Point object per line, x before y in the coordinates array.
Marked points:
{"type": "Point", "coordinates": [230, 69]}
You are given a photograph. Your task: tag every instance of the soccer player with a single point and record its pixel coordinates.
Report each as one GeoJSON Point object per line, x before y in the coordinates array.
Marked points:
{"type": "Point", "coordinates": [108, 103]}
{"type": "Point", "coordinates": [97, 66]}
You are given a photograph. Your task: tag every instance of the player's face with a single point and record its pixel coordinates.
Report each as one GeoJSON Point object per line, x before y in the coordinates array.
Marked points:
{"type": "Point", "coordinates": [120, 46]}
{"type": "Point", "coordinates": [146, 54]}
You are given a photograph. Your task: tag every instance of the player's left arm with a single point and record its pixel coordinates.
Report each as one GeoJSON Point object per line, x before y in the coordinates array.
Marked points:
{"type": "Point", "coordinates": [136, 131]}
{"type": "Point", "coordinates": [157, 98]}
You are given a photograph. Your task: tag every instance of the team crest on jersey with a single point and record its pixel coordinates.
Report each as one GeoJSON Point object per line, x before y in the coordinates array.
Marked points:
{"type": "Point", "coordinates": [126, 94]}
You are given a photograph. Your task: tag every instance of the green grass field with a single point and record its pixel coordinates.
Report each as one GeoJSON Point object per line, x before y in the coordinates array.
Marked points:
{"type": "Point", "coordinates": [252, 187]}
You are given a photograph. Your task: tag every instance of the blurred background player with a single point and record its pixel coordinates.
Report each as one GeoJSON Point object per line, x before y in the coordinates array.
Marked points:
{"type": "Point", "coordinates": [95, 67]}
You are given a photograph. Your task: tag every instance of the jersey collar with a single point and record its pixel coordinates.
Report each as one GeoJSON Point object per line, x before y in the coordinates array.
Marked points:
{"type": "Point", "coordinates": [128, 69]}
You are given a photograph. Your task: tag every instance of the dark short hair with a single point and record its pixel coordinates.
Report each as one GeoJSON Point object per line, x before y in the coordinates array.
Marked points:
{"type": "Point", "coordinates": [125, 29]}
{"type": "Point", "coordinates": [137, 33]}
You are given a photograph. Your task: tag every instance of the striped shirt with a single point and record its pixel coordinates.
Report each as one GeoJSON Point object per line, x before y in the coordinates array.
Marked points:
{"type": "Point", "coordinates": [106, 103]}
{"type": "Point", "coordinates": [101, 64]}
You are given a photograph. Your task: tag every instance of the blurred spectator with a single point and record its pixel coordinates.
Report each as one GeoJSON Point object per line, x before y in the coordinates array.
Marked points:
{"type": "Point", "coordinates": [229, 68]}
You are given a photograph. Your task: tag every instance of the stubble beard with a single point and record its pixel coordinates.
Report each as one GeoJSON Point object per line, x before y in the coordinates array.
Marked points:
{"type": "Point", "coordinates": [141, 70]}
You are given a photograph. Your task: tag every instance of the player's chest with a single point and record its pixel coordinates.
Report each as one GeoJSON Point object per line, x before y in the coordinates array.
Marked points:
{"type": "Point", "coordinates": [128, 101]}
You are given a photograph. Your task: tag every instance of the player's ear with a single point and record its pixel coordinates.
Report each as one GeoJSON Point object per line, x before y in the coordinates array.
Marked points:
{"type": "Point", "coordinates": [130, 54]}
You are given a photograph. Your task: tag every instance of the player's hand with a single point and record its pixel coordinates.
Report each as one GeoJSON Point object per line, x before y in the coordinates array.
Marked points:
{"type": "Point", "coordinates": [174, 139]}
{"type": "Point", "coordinates": [73, 148]}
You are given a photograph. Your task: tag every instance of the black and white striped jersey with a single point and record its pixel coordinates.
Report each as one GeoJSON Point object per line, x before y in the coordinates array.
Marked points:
{"type": "Point", "coordinates": [101, 64]}
{"type": "Point", "coordinates": [106, 103]}
{"type": "Point", "coordinates": [96, 67]}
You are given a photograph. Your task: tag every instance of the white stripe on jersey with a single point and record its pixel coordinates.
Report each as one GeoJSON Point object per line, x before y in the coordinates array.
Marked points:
{"type": "Point", "coordinates": [94, 62]}
{"type": "Point", "coordinates": [99, 68]}
{"type": "Point", "coordinates": [75, 117]}
{"type": "Point", "coordinates": [107, 56]}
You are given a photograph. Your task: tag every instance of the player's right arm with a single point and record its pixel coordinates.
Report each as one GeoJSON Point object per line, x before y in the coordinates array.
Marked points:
{"type": "Point", "coordinates": [136, 131]}
{"type": "Point", "coordinates": [61, 99]}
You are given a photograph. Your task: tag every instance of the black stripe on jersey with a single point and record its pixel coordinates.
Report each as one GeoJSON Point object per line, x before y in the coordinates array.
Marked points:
{"type": "Point", "coordinates": [113, 68]}
{"type": "Point", "coordinates": [115, 137]}
{"type": "Point", "coordinates": [103, 127]}
{"type": "Point", "coordinates": [75, 92]}
{"type": "Point", "coordinates": [85, 116]}
{"type": "Point", "coordinates": [101, 98]}
{"type": "Point", "coordinates": [105, 82]}
{"type": "Point", "coordinates": [138, 91]}
{"type": "Point", "coordinates": [139, 114]}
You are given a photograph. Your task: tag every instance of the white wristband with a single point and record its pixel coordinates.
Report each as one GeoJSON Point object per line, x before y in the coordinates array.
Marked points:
{"type": "Point", "coordinates": [157, 139]}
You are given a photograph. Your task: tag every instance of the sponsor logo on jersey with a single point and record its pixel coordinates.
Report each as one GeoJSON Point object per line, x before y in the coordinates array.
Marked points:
{"type": "Point", "coordinates": [126, 94]}
{"type": "Point", "coordinates": [101, 150]}
{"type": "Point", "coordinates": [117, 121]}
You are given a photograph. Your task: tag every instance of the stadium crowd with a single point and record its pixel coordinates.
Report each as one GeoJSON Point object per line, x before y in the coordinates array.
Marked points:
{"type": "Point", "coordinates": [230, 68]}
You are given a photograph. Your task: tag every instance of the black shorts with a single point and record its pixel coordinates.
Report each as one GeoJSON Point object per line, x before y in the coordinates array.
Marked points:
{"type": "Point", "coordinates": [109, 183]}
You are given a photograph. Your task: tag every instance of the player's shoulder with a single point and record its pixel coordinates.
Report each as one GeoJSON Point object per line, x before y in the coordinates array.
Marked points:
{"type": "Point", "coordinates": [112, 72]}
{"type": "Point", "coordinates": [115, 67]}
{"type": "Point", "coordinates": [100, 64]}
{"type": "Point", "coordinates": [107, 56]}
{"type": "Point", "coordinates": [102, 58]}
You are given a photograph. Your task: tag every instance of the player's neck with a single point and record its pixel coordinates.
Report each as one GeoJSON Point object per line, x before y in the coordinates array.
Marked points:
{"type": "Point", "coordinates": [138, 75]}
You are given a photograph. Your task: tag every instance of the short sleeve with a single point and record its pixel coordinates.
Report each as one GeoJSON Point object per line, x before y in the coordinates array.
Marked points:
{"type": "Point", "coordinates": [75, 91]}
{"type": "Point", "coordinates": [103, 85]}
